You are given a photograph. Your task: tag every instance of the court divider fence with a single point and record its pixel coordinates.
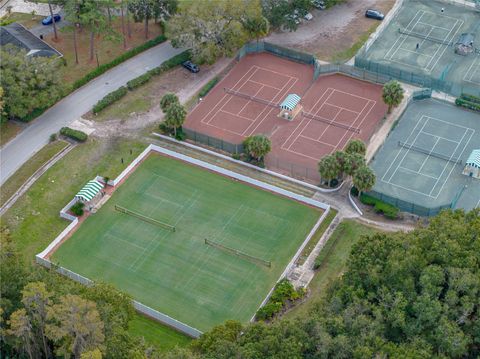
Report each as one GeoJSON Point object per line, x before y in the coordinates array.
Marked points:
{"type": "Point", "coordinates": [218, 143]}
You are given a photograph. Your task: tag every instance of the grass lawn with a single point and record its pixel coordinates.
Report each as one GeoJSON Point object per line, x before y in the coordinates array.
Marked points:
{"type": "Point", "coordinates": [107, 50]}
{"type": "Point", "coordinates": [8, 130]}
{"type": "Point", "coordinates": [29, 168]}
{"type": "Point", "coordinates": [176, 272]}
{"type": "Point", "coordinates": [160, 336]}
{"type": "Point", "coordinates": [334, 257]}
{"type": "Point", "coordinates": [347, 54]}
{"type": "Point", "coordinates": [27, 20]}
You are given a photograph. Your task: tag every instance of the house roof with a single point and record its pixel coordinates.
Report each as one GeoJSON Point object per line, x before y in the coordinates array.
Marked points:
{"type": "Point", "coordinates": [16, 34]}
{"type": "Point", "coordinates": [290, 102]}
{"type": "Point", "coordinates": [474, 158]}
{"type": "Point", "coordinates": [90, 190]}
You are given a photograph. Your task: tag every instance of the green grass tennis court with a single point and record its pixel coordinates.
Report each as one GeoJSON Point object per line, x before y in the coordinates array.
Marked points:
{"type": "Point", "coordinates": [176, 272]}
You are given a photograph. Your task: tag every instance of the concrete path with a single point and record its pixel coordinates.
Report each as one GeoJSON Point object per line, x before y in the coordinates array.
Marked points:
{"type": "Point", "coordinates": [36, 135]}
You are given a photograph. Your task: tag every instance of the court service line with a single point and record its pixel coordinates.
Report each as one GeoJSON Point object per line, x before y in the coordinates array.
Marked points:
{"type": "Point", "coordinates": [415, 172]}
{"type": "Point", "coordinates": [226, 94]}
{"type": "Point", "coordinates": [236, 114]}
{"type": "Point", "coordinates": [413, 52]}
{"type": "Point", "coordinates": [342, 108]}
{"type": "Point", "coordinates": [435, 26]}
{"type": "Point", "coordinates": [448, 123]}
{"type": "Point", "coordinates": [400, 151]}
{"type": "Point", "coordinates": [428, 157]}
{"type": "Point", "coordinates": [445, 46]}
{"type": "Point", "coordinates": [440, 137]}
{"type": "Point", "coordinates": [249, 101]}
{"type": "Point", "coordinates": [473, 72]}
{"type": "Point", "coordinates": [461, 153]}
{"type": "Point", "coordinates": [316, 140]}
{"type": "Point", "coordinates": [361, 122]}
{"type": "Point", "coordinates": [425, 39]}
{"type": "Point", "coordinates": [403, 37]}
{"type": "Point", "coordinates": [260, 83]}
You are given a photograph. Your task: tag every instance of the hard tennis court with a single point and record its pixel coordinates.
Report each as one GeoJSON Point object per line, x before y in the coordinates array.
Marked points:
{"type": "Point", "coordinates": [422, 159]}
{"type": "Point", "coordinates": [334, 109]}
{"type": "Point", "coordinates": [176, 272]}
{"type": "Point", "coordinates": [420, 41]}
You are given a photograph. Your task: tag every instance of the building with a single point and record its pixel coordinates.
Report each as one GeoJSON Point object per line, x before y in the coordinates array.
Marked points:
{"type": "Point", "coordinates": [17, 35]}
{"type": "Point", "coordinates": [472, 165]}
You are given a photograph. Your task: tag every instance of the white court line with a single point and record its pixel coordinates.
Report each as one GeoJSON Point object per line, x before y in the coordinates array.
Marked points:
{"type": "Point", "coordinates": [226, 94]}
{"type": "Point", "coordinates": [435, 26]}
{"type": "Point", "coordinates": [248, 102]}
{"type": "Point", "coordinates": [405, 36]}
{"type": "Point", "coordinates": [405, 154]}
{"type": "Point", "coordinates": [478, 204]}
{"type": "Point", "coordinates": [316, 140]}
{"type": "Point", "coordinates": [417, 173]}
{"type": "Point", "coordinates": [445, 46]}
{"type": "Point", "coordinates": [114, 237]}
{"type": "Point", "coordinates": [423, 41]}
{"type": "Point", "coordinates": [259, 83]}
{"type": "Point", "coordinates": [414, 52]}
{"type": "Point", "coordinates": [341, 108]}
{"type": "Point", "coordinates": [459, 156]}
{"type": "Point", "coordinates": [236, 114]}
{"type": "Point", "coordinates": [428, 157]}
{"type": "Point", "coordinates": [472, 66]}
{"type": "Point", "coordinates": [440, 137]}
{"type": "Point", "coordinates": [402, 37]}
{"type": "Point", "coordinates": [448, 123]}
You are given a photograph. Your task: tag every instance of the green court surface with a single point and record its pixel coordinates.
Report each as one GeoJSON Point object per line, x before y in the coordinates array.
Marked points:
{"type": "Point", "coordinates": [421, 162]}
{"type": "Point", "coordinates": [419, 43]}
{"type": "Point", "coordinates": [176, 272]}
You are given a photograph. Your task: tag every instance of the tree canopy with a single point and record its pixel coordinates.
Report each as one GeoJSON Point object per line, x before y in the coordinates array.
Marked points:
{"type": "Point", "coordinates": [392, 94]}
{"type": "Point", "coordinates": [213, 28]}
{"type": "Point", "coordinates": [257, 146]}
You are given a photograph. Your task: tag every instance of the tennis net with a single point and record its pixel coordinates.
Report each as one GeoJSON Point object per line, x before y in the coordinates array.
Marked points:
{"type": "Point", "coordinates": [425, 37]}
{"type": "Point", "coordinates": [329, 122]}
{"type": "Point", "coordinates": [429, 152]}
{"type": "Point", "coordinates": [250, 97]}
{"type": "Point", "coordinates": [145, 218]}
{"type": "Point", "coordinates": [239, 253]}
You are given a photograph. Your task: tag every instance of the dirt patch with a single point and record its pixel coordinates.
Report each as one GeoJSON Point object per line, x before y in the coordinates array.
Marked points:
{"type": "Point", "coordinates": [333, 31]}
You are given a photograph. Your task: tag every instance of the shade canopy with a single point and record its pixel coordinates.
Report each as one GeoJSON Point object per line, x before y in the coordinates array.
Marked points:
{"type": "Point", "coordinates": [474, 159]}
{"type": "Point", "coordinates": [290, 102]}
{"type": "Point", "coordinates": [89, 191]}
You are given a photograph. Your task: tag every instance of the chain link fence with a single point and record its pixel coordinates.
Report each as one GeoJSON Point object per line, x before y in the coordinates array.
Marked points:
{"type": "Point", "coordinates": [203, 139]}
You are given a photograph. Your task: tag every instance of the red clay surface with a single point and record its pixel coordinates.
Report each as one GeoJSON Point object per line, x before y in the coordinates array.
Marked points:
{"type": "Point", "coordinates": [303, 141]}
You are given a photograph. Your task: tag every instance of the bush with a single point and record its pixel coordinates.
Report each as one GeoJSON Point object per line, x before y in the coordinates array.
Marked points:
{"type": "Point", "coordinates": [283, 293]}
{"type": "Point", "coordinates": [470, 98]}
{"type": "Point", "coordinates": [388, 210]}
{"type": "Point", "coordinates": [210, 85]}
{"type": "Point", "coordinates": [354, 191]}
{"type": "Point", "coordinates": [53, 137]}
{"type": "Point", "coordinates": [109, 99]}
{"type": "Point", "coordinates": [77, 209]}
{"type": "Point", "coordinates": [125, 56]}
{"type": "Point", "coordinates": [138, 81]}
{"type": "Point", "coordinates": [74, 134]}
{"type": "Point", "coordinates": [467, 104]}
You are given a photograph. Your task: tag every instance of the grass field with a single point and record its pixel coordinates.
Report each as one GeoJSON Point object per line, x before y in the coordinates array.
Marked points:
{"type": "Point", "coordinates": [334, 257]}
{"type": "Point", "coordinates": [177, 273]}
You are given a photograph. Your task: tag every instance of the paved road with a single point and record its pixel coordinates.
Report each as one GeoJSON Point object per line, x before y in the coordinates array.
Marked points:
{"type": "Point", "coordinates": [35, 136]}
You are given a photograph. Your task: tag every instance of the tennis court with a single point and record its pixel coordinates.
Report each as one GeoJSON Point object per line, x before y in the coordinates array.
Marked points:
{"type": "Point", "coordinates": [422, 159]}
{"type": "Point", "coordinates": [420, 40]}
{"type": "Point", "coordinates": [334, 109]}
{"type": "Point", "coordinates": [252, 234]}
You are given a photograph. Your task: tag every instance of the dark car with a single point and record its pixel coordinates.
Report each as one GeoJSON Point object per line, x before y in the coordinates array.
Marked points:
{"type": "Point", "coordinates": [190, 66]}
{"type": "Point", "coordinates": [48, 20]}
{"type": "Point", "coordinates": [374, 14]}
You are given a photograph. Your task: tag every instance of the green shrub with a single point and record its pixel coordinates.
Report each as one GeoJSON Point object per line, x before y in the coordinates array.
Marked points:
{"type": "Point", "coordinates": [33, 115]}
{"type": "Point", "coordinates": [53, 137]}
{"type": "Point", "coordinates": [5, 22]}
{"type": "Point", "coordinates": [283, 293]}
{"type": "Point", "coordinates": [138, 81]}
{"type": "Point", "coordinates": [206, 89]}
{"type": "Point", "coordinates": [388, 210]}
{"type": "Point", "coordinates": [467, 104]}
{"type": "Point", "coordinates": [470, 98]}
{"type": "Point", "coordinates": [118, 60]}
{"type": "Point", "coordinates": [77, 209]}
{"type": "Point", "coordinates": [109, 99]}
{"type": "Point", "coordinates": [74, 134]}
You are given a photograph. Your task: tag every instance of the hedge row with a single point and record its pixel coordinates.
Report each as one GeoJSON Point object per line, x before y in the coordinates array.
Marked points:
{"type": "Point", "coordinates": [388, 210]}
{"type": "Point", "coordinates": [109, 99]}
{"type": "Point", "coordinates": [206, 89]}
{"type": "Point", "coordinates": [470, 98]}
{"type": "Point", "coordinates": [118, 60]}
{"type": "Point", "coordinates": [140, 80]}
{"type": "Point", "coordinates": [468, 104]}
{"type": "Point", "coordinates": [74, 134]}
{"type": "Point", "coordinates": [283, 293]}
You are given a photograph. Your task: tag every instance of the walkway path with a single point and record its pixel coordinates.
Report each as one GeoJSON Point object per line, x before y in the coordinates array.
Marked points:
{"type": "Point", "coordinates": [35, 136]}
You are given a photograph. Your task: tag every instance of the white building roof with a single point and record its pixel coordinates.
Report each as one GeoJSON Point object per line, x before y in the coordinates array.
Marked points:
{"type": "Point", "coordinates": [474, 158]}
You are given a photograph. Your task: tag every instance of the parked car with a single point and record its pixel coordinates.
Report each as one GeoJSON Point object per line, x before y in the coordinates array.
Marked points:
{"type": "Point", "coordinates": [308, 17]}
{"type": "Point", "coordinates": [374, 14]}
{"type": "Point", "coordinates": [319, 4]}
{"type": "Point", "coordinates": [48, 20]}
{"type": "Point", "coordinates": [190, 66]}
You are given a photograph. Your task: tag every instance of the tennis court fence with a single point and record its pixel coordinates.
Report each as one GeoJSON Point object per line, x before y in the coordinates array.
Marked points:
{"type": "Point", "coordinates": [406, 206]}
{"type": "Point", "coordinates": [264, 46]}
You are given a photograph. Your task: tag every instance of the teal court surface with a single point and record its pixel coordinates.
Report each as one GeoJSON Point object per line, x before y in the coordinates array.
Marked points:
{"type": "Point", "coordinates": [419, 43]}
{"type": "Point", "coordinates": [419, 167]}
{"type": "Point", "coordinates": [176, 272]}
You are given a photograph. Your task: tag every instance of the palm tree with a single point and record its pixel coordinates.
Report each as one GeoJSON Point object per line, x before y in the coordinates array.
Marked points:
{"type": "Point", "coordinates": [328, 168]}
{"type": "Point", "coordinates": [363, 179]}
{"type": "Point", "coordinates": [167, 100]}
{"type": "Point", "coordinates": [353, 162]}
{"type": "Point", "coordinates": [175, 117]}
{"type": "Point", "coordinates": [257, 146]}
{"type": "Point", "coordinates": [392, 94]}
{"type": "Point", "coordinates": [356, 146]}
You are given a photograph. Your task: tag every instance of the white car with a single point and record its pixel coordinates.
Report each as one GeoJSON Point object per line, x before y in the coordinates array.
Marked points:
{"type": "Point", "coordinates": [308, 17]}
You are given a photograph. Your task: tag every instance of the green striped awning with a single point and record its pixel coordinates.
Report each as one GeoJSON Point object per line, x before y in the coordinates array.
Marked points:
{"type": "Point", "coordinates": [89, 191]}
{"type": "Point", "coordinates": [290, 102]}
{"type": "Point", "coordinates": [474, 159]}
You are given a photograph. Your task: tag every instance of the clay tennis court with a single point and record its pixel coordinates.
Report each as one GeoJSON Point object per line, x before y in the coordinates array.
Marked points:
{"type": "Point", "coordinates": [334, 109]}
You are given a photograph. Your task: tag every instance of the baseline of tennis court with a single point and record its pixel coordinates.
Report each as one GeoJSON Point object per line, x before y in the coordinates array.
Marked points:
{"type": "Point", "coordinates": [423, 157]}
{"type": "Point", "coordinates": [472, 74]}
{"type": "Point", "coordinates": [332, 110]}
